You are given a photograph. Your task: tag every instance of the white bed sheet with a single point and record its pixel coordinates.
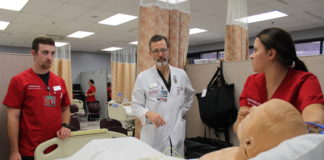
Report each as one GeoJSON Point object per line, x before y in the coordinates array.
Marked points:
{"type": "Point", "coordinates": [125, 148]}
{"type": "Point", "coordinates": [305, 147]}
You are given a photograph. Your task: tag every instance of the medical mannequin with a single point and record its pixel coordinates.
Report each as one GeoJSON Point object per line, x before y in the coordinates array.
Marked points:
{"type": "Point", "coordinates": [264, 128]}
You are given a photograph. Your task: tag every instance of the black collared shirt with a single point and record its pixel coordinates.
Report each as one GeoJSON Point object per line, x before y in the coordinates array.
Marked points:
{"type": "Point", "coordinates": [167, 83]}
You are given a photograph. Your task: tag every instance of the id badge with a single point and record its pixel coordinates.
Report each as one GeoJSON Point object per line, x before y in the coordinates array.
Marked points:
{"type": "Point", "coordinates": [163, 96]}
{"type": "Point", "coordinates": [50, 101]}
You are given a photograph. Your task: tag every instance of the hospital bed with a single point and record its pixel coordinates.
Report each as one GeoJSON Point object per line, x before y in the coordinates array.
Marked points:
{"type": "Point", "coordinates": [72, 144]}
{"type": "Point", "coordinates": [123, 113]}
{"type": "Point", "coordinates": [99, 145]}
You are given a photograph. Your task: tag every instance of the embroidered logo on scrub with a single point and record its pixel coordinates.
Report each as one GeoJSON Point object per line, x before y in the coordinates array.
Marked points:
{"type": "Point", "coordinates": [253, 102]}
{"type": "Point", "coordinates": [33, 86]}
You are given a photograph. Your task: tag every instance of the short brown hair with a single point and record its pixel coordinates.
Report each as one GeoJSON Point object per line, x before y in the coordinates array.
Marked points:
{"type": "Point", "coordinates": [42, 40]}
{"type": "Point", "coordinates": [157, 38]}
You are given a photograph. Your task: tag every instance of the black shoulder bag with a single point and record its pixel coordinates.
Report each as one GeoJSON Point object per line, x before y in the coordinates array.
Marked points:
{"type": "Point", "coordinates": [217, 107]}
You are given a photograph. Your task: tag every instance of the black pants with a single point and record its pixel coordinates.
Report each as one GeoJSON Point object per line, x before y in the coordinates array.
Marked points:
{"type": "Point", "coordinates": [27, 158]}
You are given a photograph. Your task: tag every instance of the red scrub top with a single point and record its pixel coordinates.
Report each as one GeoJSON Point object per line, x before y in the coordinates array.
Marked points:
{"type": "Point", "coordinates": [91, 89]}
{"type": "Point", "coordinates": [298, 87]}
{"type": "Point", "coordinates": [40, 108]}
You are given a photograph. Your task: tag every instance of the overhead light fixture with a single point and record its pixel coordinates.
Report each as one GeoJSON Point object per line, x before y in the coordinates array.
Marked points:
{"type": "Point", "coordinates": [173, 1]}
{"type": "Point", "coordinates": [80, 34]}
{"type": "Point", "coordinates": [117, 19]}
{"type": "Point", "coordinates": [111, 49]}
{"type": "Point", "coordinates": [60, 44]}
{"type": "Point", "coordinates": [134, 42]}
{"type": "Point", "coordinates": [15, 5]}
{"type": "Point", "coordinates": [196, 30]}
{"type": "Point", "coordinates": [262, 17]}
{"type": "Point", "coordinates": [3, 25]}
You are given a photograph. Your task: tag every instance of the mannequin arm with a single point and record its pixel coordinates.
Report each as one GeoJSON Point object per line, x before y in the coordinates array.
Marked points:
{"type": "Point", "coordinates": [243, 112]}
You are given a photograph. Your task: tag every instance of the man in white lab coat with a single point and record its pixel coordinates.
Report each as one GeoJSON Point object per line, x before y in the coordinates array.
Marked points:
{"type": "Point", "coordinates": [161, 97]}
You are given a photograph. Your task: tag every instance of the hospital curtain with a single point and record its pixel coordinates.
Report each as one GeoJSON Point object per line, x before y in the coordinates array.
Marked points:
{"type": "Point", "coordinates": [165, 17]}
{"type": "Point", "coordinates": [237, 38]}
{"type": "Point", "coordinates": [169, 18]}
{"type": "Point", "coordinates": [123, 65]}
{"type": "Point", "coordinates": [62, 66]}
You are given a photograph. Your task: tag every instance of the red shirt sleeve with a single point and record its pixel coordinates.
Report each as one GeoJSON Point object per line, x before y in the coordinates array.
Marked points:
{"type": "Point", "coordinates": [15, 94]}
{"type": "Point", "coordinates": [93, 89]}
{"type": "Point", "coordinates": [310, 93]}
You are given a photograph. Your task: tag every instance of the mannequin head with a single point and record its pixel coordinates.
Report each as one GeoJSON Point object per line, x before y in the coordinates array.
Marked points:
{"type": "Point", "coordinates": [268, 125]}
{"type": "Point", "coordinates": [264, 128]}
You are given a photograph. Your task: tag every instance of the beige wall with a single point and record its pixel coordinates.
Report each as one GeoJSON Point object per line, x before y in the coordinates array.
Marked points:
{"type": "Point", "coordinates": [234, 72]}
{"type": "Point", "coordinates": [10, 65]}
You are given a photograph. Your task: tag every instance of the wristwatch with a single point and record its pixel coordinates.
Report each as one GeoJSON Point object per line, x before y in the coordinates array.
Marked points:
{"type": "Point", "coordinates": [66, 125]}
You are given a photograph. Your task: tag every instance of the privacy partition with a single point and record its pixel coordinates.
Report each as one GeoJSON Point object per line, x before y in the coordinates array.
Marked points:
{"type": "Point", "coordinates": [10, 65]}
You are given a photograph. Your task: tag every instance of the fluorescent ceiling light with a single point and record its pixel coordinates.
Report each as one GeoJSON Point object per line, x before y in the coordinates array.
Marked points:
{"type": "Point", "coordinates": [262, 17]}
{"type": "Point", "coordinates": [196, 30]}
{"type": "Point", "coordinates": [80, 34]}
{"type": "Point", "coordinates": [3, 25]}
{"type": "Point", "coordinates": [111, 49]}
{"type": "Point", "coordinates": [173, 1]}
{"type": "Point", "coordinates": [60, 44]}
{"type": "Point", "coordinates": [117, 19]}
{"type": "Point", "coordinates": [134, 42]}
{"type": "Point", "coordinates": [15, 5]}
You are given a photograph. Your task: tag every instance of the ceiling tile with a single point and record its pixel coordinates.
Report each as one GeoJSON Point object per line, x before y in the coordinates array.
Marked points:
{"type": "Point", "coordinates": [19, 27]}
{"type": "Point", "coordinates": [7, 15]}
{"type": "Point", "coordinates": [42, 7]}
{"type": "Point", "coordinates": [28, 18]}
{"type": "Point", "coordinates": [69, 11]}
{"type": "Point", "coordinates": [76, 25]}
{"type": "Point", "coordinates": [86, 3]}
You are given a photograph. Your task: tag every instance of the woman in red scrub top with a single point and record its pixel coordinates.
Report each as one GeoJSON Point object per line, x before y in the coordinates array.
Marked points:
{"type": "Point", "coordinates": [90, 94]}
{"type": "Point", "coordinates": [280, 74]}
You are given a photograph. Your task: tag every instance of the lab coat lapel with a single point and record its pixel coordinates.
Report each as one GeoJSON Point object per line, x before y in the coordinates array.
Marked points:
{"type": "Point", "coordinates": [174, 79]}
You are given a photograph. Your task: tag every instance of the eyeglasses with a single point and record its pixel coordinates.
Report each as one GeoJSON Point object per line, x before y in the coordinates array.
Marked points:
{"type": "Point", "coordinates": [162, 50]}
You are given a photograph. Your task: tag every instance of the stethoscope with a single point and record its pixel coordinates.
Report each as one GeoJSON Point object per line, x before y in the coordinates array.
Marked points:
{"type": "Point", "coordinates": [319, 130]}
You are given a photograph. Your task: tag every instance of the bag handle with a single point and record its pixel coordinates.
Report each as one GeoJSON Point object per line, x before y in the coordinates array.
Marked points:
{"type": "Point", "coordinates": [221, 75]}
{"type": "Point", "coordinates": [218, 78]}
{"type": "Point", "coordinates": [215, 76]}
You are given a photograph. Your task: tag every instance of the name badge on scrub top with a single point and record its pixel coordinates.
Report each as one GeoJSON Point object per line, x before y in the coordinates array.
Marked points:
{"type": "Point", "coordinates": [57, 88]}
{"type": "Point", "coordinates": [50, 101]}
{"type": "Point", "coordinates": [163, 96]}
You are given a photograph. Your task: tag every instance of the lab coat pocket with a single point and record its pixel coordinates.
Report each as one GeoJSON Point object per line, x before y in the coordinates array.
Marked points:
{"type": "Point", "coordinates": [148, 134]}
{"type": "Point", "coordinates": [179, 131]}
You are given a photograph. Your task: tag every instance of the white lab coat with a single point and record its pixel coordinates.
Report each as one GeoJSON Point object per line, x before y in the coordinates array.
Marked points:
{"type": "Point", "coordinates": [145, 97]}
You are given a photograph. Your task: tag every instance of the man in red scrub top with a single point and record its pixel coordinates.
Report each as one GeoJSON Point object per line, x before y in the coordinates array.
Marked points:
{"type": "Point", "coordinates": [37, 104]}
